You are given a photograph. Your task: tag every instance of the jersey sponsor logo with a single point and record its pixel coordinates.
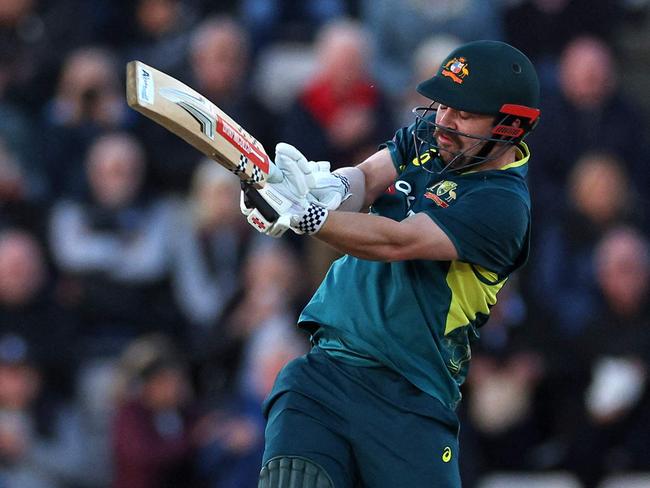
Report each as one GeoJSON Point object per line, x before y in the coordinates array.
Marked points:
{"type": "Point", "coordinates": [404, 187]}
{"type": "Point", "coordinates": [456, 69]}
{"type": "Point", "coordinates": [422, 159]}
{"type": "Point", "coordinates": [442, 193]}
{"type": "Point", "coordinates": [446, 454]}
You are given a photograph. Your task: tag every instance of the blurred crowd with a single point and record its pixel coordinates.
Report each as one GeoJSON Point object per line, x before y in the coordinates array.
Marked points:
{"type": "Point", "coordinates": [142, 321]}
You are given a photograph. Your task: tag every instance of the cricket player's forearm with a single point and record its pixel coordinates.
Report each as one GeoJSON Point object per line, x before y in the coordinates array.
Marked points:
{"type": "Point", "coordinates": [379, 238]}
{"type": "Point", "coordinates": [365, 236]}
{"type": "Point", "coordinates": [379, 172]}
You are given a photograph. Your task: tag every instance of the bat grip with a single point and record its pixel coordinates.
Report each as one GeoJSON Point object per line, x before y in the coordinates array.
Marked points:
{"type": "Point", "coordinates": [252, 198]}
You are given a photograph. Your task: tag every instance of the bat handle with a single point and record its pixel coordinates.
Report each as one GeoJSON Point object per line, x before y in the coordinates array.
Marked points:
{"type": "Point", "coordinates": [254, 199]}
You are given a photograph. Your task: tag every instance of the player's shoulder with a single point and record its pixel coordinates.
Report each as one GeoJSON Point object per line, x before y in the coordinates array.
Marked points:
{"type": "Point", "coordinates": [497, 191]}
{"type": "Point", "coordinates": [505, 181]}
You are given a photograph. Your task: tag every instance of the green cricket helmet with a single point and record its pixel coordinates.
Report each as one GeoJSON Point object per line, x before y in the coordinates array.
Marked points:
{"type": "Point", "coordinates": [482, 77]}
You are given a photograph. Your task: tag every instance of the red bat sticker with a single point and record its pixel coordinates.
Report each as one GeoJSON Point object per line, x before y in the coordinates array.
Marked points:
{"type": "Point", "coordinates": [232, 135]}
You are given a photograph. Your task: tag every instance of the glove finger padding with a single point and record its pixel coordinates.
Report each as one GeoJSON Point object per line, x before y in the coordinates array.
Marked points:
{"type": "Point", "coordinates": [293, 170]}
{"type": "Point", "coordinates": [289, 151]}
{"type": "Point", "coordinates": [321, 166]}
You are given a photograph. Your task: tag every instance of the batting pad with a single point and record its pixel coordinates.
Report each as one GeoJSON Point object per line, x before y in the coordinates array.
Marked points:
{"type": "Point", "coordinates": [293, 472]}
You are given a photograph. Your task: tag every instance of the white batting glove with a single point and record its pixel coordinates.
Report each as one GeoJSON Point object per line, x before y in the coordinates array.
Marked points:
{"type": "Point", "coordinates": [327, 189]}
{"type": "Point", "coordinates": [294, 213]}
{"type": "Point", "coordinates": [294, 169]}
{"type": "Point", "coordinates": [285, 192]}
{"type": "Point", "coordinates": [322, 187]}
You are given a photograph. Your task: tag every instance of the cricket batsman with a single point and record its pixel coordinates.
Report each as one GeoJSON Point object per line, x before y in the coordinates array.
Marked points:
{"type": "Point", "coordinates": [373, 403]}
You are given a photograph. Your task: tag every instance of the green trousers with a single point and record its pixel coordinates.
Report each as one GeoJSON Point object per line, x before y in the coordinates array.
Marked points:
{"type": "Point", "coordinates": [366, 426]}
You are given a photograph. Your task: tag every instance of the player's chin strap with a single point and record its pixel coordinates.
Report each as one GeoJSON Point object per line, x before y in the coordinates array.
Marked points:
{"type": "Point", "coordinates": [505, 131]}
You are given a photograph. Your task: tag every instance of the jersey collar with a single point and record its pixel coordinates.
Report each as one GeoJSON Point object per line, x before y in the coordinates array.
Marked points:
{"type": "Point", "coordinates": [522, 157]}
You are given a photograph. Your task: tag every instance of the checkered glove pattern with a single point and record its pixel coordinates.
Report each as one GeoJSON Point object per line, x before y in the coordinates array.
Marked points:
{"type": "Point", "coordinates": [312, 220]}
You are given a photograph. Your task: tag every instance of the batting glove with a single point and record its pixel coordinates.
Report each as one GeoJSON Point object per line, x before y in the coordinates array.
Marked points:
{"type": "Point", "coordinates": [293, 212]}
{"type": "Point", "coordinates": [327, 189]}
{"type": "Point", "coordinates": [322, 187]}
{"type": "Point", "coordinates": [294, 169]}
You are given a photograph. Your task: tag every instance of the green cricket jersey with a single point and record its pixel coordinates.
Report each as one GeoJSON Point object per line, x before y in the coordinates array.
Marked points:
{"type": "Point", "coordinates": [419, 317]}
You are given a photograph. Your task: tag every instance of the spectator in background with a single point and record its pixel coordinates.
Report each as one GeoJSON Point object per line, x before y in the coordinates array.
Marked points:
{"type": "Point", "coordinates": [341, 115]}
{"type": "Point", "coordinates": [272, 21]}
{"type": "Point", "coordinates": [398, 29]}
{"type": "Point", "coordinates": [562, 280]}
{"type": "Point", "coordinates": [270, 291]}
{"type": "Point", "coordinates": [38, 35]}
{"type": "Point", "coordinates": [426, 62]}
{"type": "Point", "coordinates": [233, 456]}
{"type": "Point", "coordinates": [20, 384]}
{"type": "Point", "coordinates": [219, 69]}
{"type": "Point", "coordinates": [23, 45]}
{"type": "Point", "coordinates": [16, 134]}
{"type": "Point", "coordinates": [563, 292]}
{"type": "Point", "coordinates": [114, 249]}
{"type": "Point", "coordinates": [29, 308]}
{"type": "Point", "coordinates": [612, 433]}
{"type": "Point", "coordinates": [19, 206]}
{"type": "Point", "coordinates": [160, 35]}
{"type": "Point", "coordinates": [262, 327]}
{"type": "Point", "coordinates": [152, 429]}
{"type": "Point", "coordinates": [543, 28]}
{"type": "Point", "coordinates": [209, 245]}
{"type": "Point", "coordinates": [503, 414]}
{"type": "Point", "coordinates": [39, 442]}
{"type": "Point", "coordinates": [89, 100]}
{"type": "Point", "coordinates": [588, 113]}
{"type": "Point", "coordinates": [220, 64]}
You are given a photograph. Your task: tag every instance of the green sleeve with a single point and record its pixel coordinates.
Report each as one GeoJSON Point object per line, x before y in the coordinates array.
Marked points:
{"type": "Point", "coordinates": [488, 228]}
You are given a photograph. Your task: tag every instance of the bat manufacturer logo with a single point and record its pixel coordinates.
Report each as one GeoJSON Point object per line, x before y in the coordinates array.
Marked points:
{"type": "Point", "coordinates": [195, 106]}
{"type": "Point", "coordinates": [258, 223]}
{"type": "Point", "coordinates": [249, 151]}
{"type": "Point", "coordinates": [145, 82]}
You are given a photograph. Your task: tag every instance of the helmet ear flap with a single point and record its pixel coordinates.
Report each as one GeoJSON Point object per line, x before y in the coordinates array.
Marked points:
{"type": "Point", "coordinates": [513, 123]}
{"type": "Point", "coordinates": [509, 129]}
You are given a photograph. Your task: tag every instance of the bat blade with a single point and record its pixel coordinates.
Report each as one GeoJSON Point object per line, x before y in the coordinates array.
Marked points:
{"type": "Point", "coordinates": [198, 121]}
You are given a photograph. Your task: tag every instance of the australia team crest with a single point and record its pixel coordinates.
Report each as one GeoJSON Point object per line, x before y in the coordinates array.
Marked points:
{"type": "Point", "coordinates": [442, 193]}
{"type": "Point", "coordinates": [456, 69]}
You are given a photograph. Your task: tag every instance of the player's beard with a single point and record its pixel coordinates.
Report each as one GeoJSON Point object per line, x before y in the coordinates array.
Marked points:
{"type": "Point", "coordinates": [451, 148]}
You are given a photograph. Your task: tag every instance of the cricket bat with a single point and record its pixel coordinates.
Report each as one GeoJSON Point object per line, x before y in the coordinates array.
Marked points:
{"type": "Point", "coordinates": [191, 116]}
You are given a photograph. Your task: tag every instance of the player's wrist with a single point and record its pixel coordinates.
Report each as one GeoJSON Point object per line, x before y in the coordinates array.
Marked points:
{"type": "Point", "coordinates": [354, 183]}
{"type": "Point", "coordinates": [344, 188]}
